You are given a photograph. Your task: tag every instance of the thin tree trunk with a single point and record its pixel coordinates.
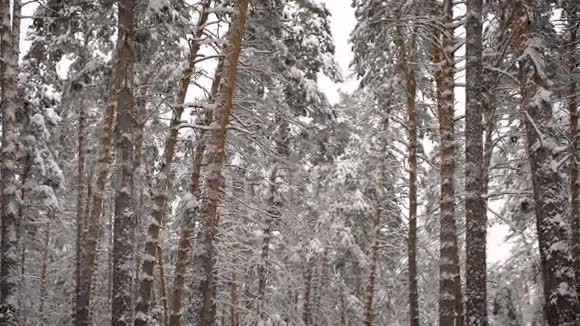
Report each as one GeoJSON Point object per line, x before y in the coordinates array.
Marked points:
{"type": "Point", "coordinates": [81, 189]}
{"type": "Point", "coordinates": [406, 50]}
{"type": "Point", "coordinates": [323, 272]}
{"type": "Point", "coordinates": [233, 301]}
{"type": "Point", "coordinates": [17, 12]}
{"type": "Point", "coordinates": [87, 209]}
{"type": "Point", "coordinates": [111, 230]}
{"type": "Point", "coordinates": [215, 157]}
{"type": "Point", "coordinates": [281, 148]}
{"type": "Point", "coordinates": [184, 247]}
{"type": "Point", "coordinates": [343, 309]}
{"type": "Point", "coordinates": [153, 251]}
{"type": "Point", "coordinates": [8, 184]}
{"type": "Point", "coordinates": [307, 308]}
{"type": "Point", "coordinates": [374, 257]}
{"type": "Point", "coordinates": [44, 270]}
{"type": "Point", "coordinates": [314, 292]}
{"type": "Point", "coordinates": [141, 187]}
{"type": "Point", "coordinates": [450, 302]}
{"type": "Point", "coordinates": [475, 204]}
{"type": "Point", "coordinates": [549, 195]}
{"type": "Point", "coordinates": [24, 231]}
{"type": "Point", "coordinates": [262, 268]}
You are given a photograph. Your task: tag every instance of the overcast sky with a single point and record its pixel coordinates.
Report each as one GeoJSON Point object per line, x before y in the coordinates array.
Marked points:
{"type": "Point", "coordinates": [342, 24]}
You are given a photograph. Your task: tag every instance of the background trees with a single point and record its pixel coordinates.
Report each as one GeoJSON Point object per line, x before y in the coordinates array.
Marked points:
{"type": "Point", "coordinates": [210, 181]}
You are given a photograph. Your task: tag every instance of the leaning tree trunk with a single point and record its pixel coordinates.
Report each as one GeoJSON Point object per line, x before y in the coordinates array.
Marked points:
{"type": "Point", "coordinates": [550, 200]}
{"type": "Point", "coordinates": [122, 294]}
{"type": "Point", "coordinates": [184, 246]}
{"type": "Point", "coordinates": [450, 305]}
{"type": "Point", "coordinates": [153, 249]}
{"type": "Point", "coordinates": [475, 204]}
{"type": "Point", "coordinates": [8, 183]}
{"type": "Point", "coordinates": [93, 219]}
{"type": "Point", "coordinates": [215, 157]}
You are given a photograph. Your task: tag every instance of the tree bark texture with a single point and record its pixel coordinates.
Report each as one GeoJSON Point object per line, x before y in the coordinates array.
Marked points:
{"type": "Point", "coordinates": [121, 71]}
{"type": "Point", "coordinates": [475, 204]}
{"type": "Point", "coordinates": [215, 158]}
{"type": "Point", "coordinates": [572, 9]}
{"type": "Point", "coordinates": [442, 55]}
{"type": "Point", "coordinates": [561, 302]}
{"type": "Point", "coordinates": [123, 235]}
{"type": "Point", "coordinates": [9, 256]}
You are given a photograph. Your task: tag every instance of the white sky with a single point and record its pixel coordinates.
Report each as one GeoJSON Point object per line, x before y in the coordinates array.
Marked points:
{"type": "Point", "coordinates": [342, 23]}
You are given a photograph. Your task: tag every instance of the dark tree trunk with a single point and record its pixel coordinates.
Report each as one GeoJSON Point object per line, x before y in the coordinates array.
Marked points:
{"type": "Point", "coordinates": [571, 8]}
{"type": "Point", "coordinates": [550, 198]}
{"type": "Point", "coordinates": [475, 204]}
{"type": "Point", "coordinates": [9, 257]}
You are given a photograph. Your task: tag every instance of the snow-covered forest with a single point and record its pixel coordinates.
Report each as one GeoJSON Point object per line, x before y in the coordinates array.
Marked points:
{"type": "Point", "coordinates": [181, 163]}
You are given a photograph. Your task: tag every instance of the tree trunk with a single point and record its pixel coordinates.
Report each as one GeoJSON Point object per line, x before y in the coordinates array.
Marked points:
{"type": "Point", "coordinates": [262, 268]}
{"type": "Point", "coordinates": [17, 12]}
{"type": "Point", "coordinates": [549, 195]}
{"type": "Point", "coordinates": [233, 301]}
{"type": "Point", "coordinates": [450, 303]}
{"type": "Point", "coordinates": [8, 183]}
{"type": "Point", "coordinates": [307, 309]}
{"type": "Point", "coordinates": [81, 194]}
{"type": "Point", "coordinates": [215, 157]}
{"type": "Point", "coordinates": [184, 247]}
{"type": "Point", "coordinates": [406, 54]}
{"type": "Point", "coordinates": [374, 257]}
{"type": "Point", "coordinates": [343, 309]}
{"type": "Point", "coordinates": [153, 250]}
{"type": "Point", "coordinates": [122, 303]}
{"type": "Point", "coordinates": [44, 270]}
{"type": "Point", "coordinates": [322, 283]}
{"type": "Point", "coordinates": [571, 49]}
{"type": "Point", "coordinates": [111, 229]}
{"type": "Point", "coordinates": [475, 204]}
{"type": "Point", "coordinates": [274, 205]}
{"type": "Point", "coordinates": [89, 252]}
{"type": "Point", "coordinates": [162, 288]}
